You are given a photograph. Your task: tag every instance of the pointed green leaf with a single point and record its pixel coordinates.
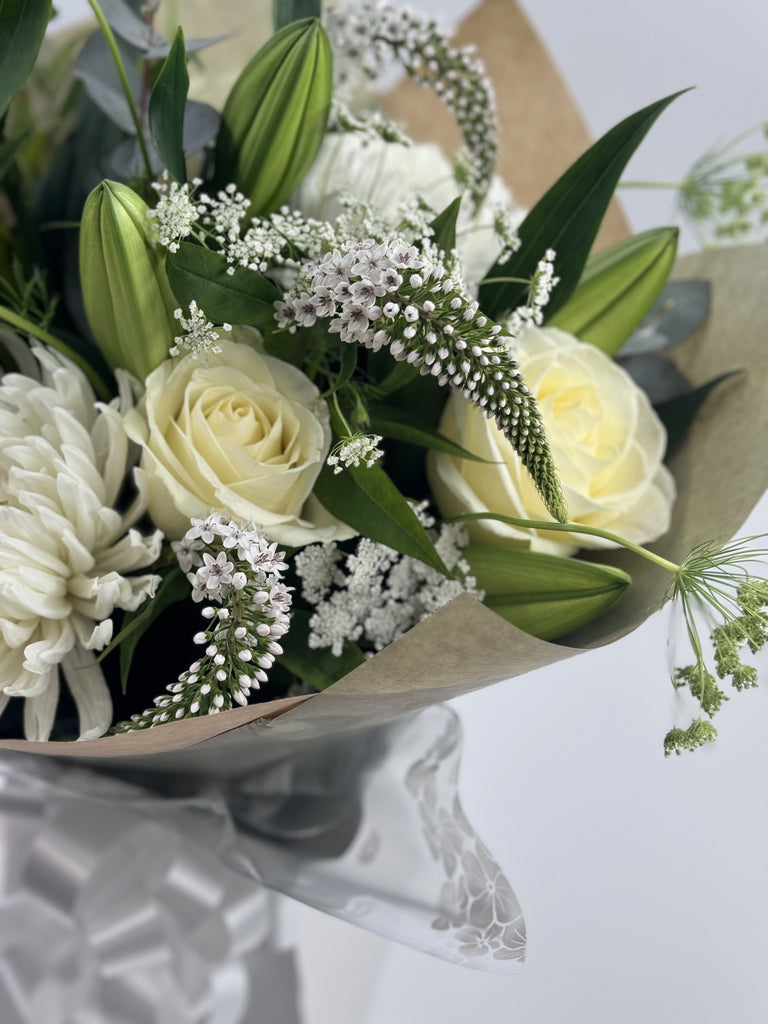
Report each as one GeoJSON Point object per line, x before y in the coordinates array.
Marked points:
{"type": "Point", "coordinates": [444, 226]}
{"type": "Point", "coordinates": [319, 668]}
{"type": "Point", "coordinates": [274, 119]}
{"type": "Point", "coordinates": [166, 110]}
{"type": "Point", "coordinates": [398, 424]}
{"type": "Point", "coordinates": [286, 11]}
{"type": "Point", "coordinates": [22, 27]}
{"type": "Point", "coordinates": [618, 288]}
{"type": "Point", "coordinates": [545, 595]}
{"type": "Point", "coordinates": [245, 297]}
{"type": "Point", "coordinates": [678, 413]}
{"type": "Point", "coordinates": [567, 218]}
{"type": "Point", "coordinates": [370, 503]}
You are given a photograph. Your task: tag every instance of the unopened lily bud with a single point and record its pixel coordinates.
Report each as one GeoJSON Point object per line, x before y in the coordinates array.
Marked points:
{"type": "Point", "coordinates": [128, 301]}
{"type": "Point", "coordinates": [275, 116]}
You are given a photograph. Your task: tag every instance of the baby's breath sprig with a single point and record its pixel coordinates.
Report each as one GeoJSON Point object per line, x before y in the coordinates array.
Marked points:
{"type": "Point", "coordinates": [364, 35]}
{"type": "Point", "coordinates": [389, 293]}
{"type": "Point", "coordinates": [237, 575]}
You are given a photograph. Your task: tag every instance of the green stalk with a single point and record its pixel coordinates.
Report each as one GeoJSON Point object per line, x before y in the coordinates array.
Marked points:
{"type": "Point", "coordinates": [113, 49]}
{"type": "Point", "coordinates": [589, 531]}
{"type": "Point", "coordinates": [22, 324]}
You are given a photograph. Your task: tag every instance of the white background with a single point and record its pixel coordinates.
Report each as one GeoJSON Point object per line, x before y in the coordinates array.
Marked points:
{"type": "Point", "coordinates": [642, 880]}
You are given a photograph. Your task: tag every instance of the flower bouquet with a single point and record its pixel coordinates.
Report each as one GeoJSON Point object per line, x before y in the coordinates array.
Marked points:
{"type": "Point", "coordinates": [304, 429]}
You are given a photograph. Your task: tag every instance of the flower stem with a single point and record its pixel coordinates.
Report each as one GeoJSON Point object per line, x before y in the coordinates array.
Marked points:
{"type": "Point", "coordinates": [342, 417]}
{"type": "Point", "coordinates": [22, 324]}
{"type": "Point", "coordinates": [506, 280]}
{"type": "Point", "coordinates": [589, 531]}
{"type": "Point", "coordinates": [113, 49]}
{"type": "Point", "coordinates": [652, 184]}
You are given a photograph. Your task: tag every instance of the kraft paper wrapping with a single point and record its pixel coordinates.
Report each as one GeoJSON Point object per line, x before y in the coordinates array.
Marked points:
{"type": "Point", "coordinates": [464, 646]}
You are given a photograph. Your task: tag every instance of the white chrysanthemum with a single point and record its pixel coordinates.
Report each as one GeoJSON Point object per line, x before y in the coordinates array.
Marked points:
{"type": "Point", "coordinates": [386, 175]}
{"type": "Point", "coordinates": [64, 548]}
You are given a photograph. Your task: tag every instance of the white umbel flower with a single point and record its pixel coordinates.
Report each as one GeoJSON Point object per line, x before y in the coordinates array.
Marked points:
{"type": "Point", "coordinates": [64, 548]}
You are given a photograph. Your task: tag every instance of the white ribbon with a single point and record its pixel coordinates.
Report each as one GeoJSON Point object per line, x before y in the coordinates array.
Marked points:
{"type": "Point", "coordinates": [124, 905]}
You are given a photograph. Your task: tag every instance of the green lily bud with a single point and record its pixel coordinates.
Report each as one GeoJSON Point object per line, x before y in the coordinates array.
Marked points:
{"type": "Point", "coordinates": [274, 118]}
{"type": "Point", "coordinates": [545, 595]}
{"type": "Point", "coordinates": [128, 301]}
{"type": "Point", "coordinates": [618, 288]}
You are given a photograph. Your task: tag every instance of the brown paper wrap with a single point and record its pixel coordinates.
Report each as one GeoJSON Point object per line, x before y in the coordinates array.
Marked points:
{"type": "Point", "coordinates": [464, 646]}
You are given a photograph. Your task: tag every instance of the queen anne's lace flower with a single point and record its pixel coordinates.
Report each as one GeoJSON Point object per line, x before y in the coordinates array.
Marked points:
{"type": "Point", "coordinates": [65, 550]}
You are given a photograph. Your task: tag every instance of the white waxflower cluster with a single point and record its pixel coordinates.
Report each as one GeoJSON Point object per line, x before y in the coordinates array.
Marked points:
{"type": "Point", "coordinates": [377, 594]}
{"type": "Point", "coordinates": [539, 291]}
{"type": "Point", "coordinates": [237, 575]}
{"type": "Point", "coordinates": [391, 294]}
{"type": "Point", "coordinates": [365, 35]}
{"type": "Point", "coordinates": [199, 337]}
{"type": "Point", "coordinates": [68, 557]}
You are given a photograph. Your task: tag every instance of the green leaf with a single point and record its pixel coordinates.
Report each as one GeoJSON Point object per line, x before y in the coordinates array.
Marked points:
{"type": "Point", "coordinates": [8, 150]}
{"type": "Point", "coordinates": [319, 668]}
{"type": "Point", "coordinates": [286, 11]}
{"type": "Point", "coordinates": [245, 297]}
{"type": "Point", "coordinates": [678, 413]}
{"type": "Point", "coordinates": [166, 109]}
{"type": "Point", "coordinates": [568, 216]}
{"type": "Point", "coordinates": [274, 119]}
{"type": "Point", "coordinates": [444, 226]}
{"type": "Point", "coordinates": [544, 595]}
{"type": "Point", "coordinates": [22, 27]}
{"type": "Point", "coordinates": [398, 424]}
{"type": "Point", "coordinates": [173, 587]}
{"type": "Point", "coordinates": [618, 288]}
{"type": "Point", "coordinates": [369, 502]}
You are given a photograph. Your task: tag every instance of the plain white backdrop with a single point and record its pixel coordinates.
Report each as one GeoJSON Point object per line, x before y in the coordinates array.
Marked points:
{"type": "Point", "coordinates": [642, 880]}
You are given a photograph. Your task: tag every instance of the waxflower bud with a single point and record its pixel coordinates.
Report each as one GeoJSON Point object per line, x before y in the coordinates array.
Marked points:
{"type": "Point", "coordinates": [128, 301]}
{"type": "Point", "coordinates": [275, 116]}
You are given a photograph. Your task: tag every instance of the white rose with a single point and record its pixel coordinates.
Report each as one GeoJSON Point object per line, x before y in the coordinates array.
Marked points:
{"type": "Point", "coordinates": [240, 431]}
{"type": "Point", "coordinates": [606, 440]}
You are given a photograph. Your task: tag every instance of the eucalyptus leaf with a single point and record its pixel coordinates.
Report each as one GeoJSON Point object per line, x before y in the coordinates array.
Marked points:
{"type": "Point", "coordinates": [127, 24]}
{"type": "Point", "coordinates": [198, 274]}
{"type": "Point", "coordinates": [444, 226]}
{"type": "Point", "coordinates": [678, 413]}
{"type": "Point", "coordinates": [658, 377]}
{"type": "Point", "coordinates": [161, 51]}
{"type": "Point", "coordinates": [545, 595]}
{"type": "Point", "coordinates": [568, 216]}
{"type": "Point", "coordinates": [398, 424]}
{"type": "Point", "coordinates": [286, 11]}
{"type": "Point", "coordinates": [618, 288]}
{"type": "Point", "coordinates": [22, 27]}
{"type": "Point", "coordinates": [95, 67]}
{"type": "Point", "coordinates": [126, 161]}
{"type": "Point", "coordinates": [319, 668]}
{"type": "Point", "coordinates": [679, 311]}
{"type": "Point", "coordinates": [166, 110]}
{"type": "Point", "coordinates": [369, 502]}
